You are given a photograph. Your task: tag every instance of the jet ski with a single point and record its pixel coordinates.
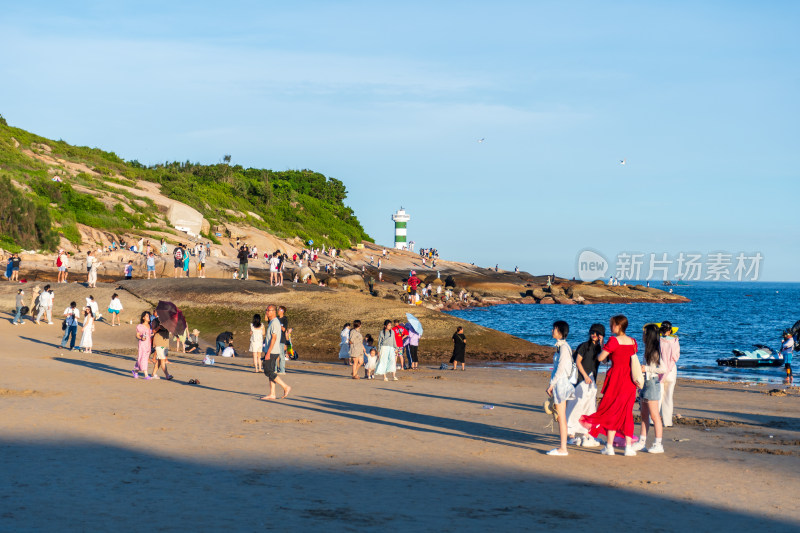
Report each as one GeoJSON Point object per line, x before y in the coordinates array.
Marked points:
{"type": "Point", "coordinates": [761, 356]}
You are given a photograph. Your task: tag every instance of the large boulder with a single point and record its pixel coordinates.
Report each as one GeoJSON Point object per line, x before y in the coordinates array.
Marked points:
{"type": "Point", "coordinates": [306, 273]}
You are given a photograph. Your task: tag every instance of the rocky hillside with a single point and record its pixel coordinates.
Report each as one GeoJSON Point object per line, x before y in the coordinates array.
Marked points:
{"type": "Point", "coordinates": [54, 195]}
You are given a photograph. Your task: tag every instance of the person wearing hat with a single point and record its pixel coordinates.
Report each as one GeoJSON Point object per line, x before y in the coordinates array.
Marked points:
{"type": "Point", "coordinates": [585, 401]}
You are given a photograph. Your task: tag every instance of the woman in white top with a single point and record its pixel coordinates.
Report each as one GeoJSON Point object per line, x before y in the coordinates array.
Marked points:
{"type": "Point", "coordinates": [92, 279]}
{"type": "Point", "coordinates": [257, 342]}
{"type": "Point", "coordinates": [560, 388]}
{"type": "Point", "coordinates": [344, 344]}
{"type": "Point", "coordinates": [114, 309]}
{"type": "Point", "coordinates": [654, 367]}
{"type": "Point", "coordinates": [88, 329]}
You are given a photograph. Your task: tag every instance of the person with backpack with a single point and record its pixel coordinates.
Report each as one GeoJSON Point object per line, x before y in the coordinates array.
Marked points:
{"type": "Point", "coordinates": [70, 327]}
{"type": "Point", "coordinates": [61, 264]}
{"type": "Point", "coordinates": [177, 254]}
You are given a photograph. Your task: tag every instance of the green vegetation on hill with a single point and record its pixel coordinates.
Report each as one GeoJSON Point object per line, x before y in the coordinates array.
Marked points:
{"type": "Point", "coordinates": [293, 203]}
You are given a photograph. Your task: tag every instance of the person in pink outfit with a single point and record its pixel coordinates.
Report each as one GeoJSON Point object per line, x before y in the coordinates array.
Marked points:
{"type": "Point", "coordinates": [144, 337]}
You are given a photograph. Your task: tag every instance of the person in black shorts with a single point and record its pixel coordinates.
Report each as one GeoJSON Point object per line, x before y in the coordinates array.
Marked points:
{"type": "Point", "coordinates": [177, 255]}
{"type": "Point", "coordinates": [272, 354]}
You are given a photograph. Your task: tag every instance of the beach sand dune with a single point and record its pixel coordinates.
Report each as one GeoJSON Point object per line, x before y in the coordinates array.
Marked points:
{"type": "Point", "coordinates": [87, 447]}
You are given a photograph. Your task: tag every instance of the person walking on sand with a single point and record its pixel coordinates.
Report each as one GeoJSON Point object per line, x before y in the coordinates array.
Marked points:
{"type": "Point", "coordinates": [285, 330]}
{"type": "Point", "coordinates": [585, 400]}
{"type": "Point", "coordinates": [143, 336]}
{"type": "Point", "coordinates": [19, 304]}
{"type": "Point", "coordinates": [344, 343]}
{"type": "Point", "coordinates": [115, 308]}
{"type": "Point", "coordinates": [459, 347]}
{"type": "Point", "coordinates": [670, 352]}
{"type": "Point", "coordinates": [34, 307]}
{"type": "Point", "coordinates": [88, 329]}
{"type": "Point", "coordinates": [92, 304]}
{"type": "Point", "coordinates": [387, 352]}
{"type": "Point", "coordinates": [72, 315]}
{"type": "Point", "coordinates": [357, 351]}
{"type": "Point", "coordinates": [272, 353]}
{"type": "Point", "coordinates": [654, 367]}
{"type": "Point", "coordinates": [560, 388]}
{"type": "Point", "coordinates": [400, 337]}
{"type": "Point", "coordinates": [45, 305]}
{"type": "Point", "coordinates": [615, 412]}
{"type": "Point", "coordinates": [257, 333]}
{"type": "Point", "coordinates": [160, 337]}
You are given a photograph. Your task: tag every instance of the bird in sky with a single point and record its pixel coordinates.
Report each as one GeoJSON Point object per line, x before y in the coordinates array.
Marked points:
{"type": "Point", "coordinates": [481, 140]}
{"type": "Point", "coordinates": [622, 161]}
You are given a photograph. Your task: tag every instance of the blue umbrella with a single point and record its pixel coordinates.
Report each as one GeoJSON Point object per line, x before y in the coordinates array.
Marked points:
{"type": "Point", "coordinates": [415, 323]}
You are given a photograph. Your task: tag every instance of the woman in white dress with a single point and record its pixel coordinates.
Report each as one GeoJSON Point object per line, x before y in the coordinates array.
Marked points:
{"type": "Point", "coordinates": [344, 344]}
{"type": "Point", "coordinates": [88, 329]}
{"type": "Point", "coordinates": [387, 362]}
{"type": "Point", "coordinates": [92, 280]}
{"type": "Point", "coordinates": [257, 342]}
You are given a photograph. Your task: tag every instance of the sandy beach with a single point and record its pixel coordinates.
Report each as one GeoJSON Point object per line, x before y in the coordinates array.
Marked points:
{"type": "Point", "coordinates": [87, 447]}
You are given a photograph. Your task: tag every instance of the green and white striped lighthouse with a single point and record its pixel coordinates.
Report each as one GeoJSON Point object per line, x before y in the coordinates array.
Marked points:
{"type": "Point", "coordinates": [400, 218]}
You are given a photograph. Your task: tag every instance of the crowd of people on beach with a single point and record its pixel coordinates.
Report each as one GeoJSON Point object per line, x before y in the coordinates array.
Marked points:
{"type": "Point", "coordinates": [573, 390]}
{"type": "Point", "coordinates": [397, 348]}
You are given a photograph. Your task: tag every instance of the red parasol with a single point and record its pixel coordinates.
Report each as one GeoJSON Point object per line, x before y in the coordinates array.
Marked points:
{"type": "Point", "coordinates": [171, 317]}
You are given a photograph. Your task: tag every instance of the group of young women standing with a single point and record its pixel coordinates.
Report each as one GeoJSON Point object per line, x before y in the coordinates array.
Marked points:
{"type": "Point", "coordinates": [573, 386]}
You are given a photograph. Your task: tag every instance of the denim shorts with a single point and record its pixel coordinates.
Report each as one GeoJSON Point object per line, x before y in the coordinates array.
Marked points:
{"type": "Point", "coordinates": [652, 390]}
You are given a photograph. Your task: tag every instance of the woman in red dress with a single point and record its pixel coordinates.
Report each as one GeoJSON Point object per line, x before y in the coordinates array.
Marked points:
{"type": "Point", "coordinates": [615, 412]}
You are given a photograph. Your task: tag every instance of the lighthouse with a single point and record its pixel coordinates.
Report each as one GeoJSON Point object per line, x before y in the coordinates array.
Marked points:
{"type": "Point", "coordinates": [400, 218]}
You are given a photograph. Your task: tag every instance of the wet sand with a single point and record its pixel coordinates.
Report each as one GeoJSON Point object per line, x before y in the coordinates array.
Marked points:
{"type": "Point", "coordinates": [87, 447]}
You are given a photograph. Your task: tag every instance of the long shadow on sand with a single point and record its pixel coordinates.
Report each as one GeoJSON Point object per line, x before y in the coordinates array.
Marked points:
{"type": "Point", "coordinates": [510, 405]}
{"type": "Point", "coordinates": [87, 486]}
{"type": "Point", "coordinates": [423, 423]}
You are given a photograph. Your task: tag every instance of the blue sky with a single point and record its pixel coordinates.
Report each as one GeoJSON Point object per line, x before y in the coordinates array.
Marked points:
{"type": "Point", "coordinates": [700, 98]}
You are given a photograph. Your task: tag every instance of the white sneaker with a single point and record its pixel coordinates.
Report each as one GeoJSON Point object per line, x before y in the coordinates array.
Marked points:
{"type": "Point", "coordinates": [574, 441]}
{"type": "Point", "coordinates": [656, 448]}
{"type": "Point", "coordinates": [556, 451]}
{"type": "Point", "coordinates": [629, 451]}
{"type": "Point", "coordinates": [608, 450]}
{"type": "Point", "coordinates": [589, 442]}
{"type": "Point", "coordinates": [639, 445]}
{"type": "Point", "coordinates": [50, 323]}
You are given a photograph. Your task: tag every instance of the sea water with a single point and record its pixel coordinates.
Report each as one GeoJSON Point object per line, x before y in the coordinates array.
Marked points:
{"type": "Point", "coordinates": [721, 317]}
